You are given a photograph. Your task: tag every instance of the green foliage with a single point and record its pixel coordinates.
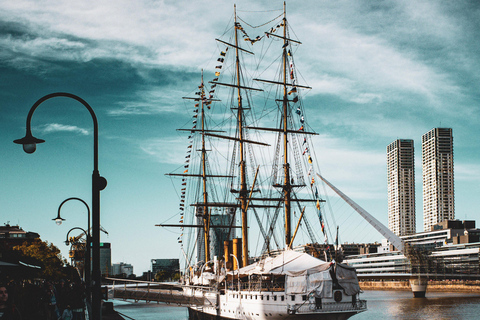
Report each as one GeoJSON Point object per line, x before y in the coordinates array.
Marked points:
{"type": "Point", "coordinates": [161, 276]}
{"type": "Point", "coordinates": [164, 276]}
{"type": "Point", "coordinates": [47, 254]}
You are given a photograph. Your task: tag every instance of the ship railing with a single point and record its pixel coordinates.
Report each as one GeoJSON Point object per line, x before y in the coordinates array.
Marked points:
{"type": "Point", "coordinates": [256, 286]}
{"type": "Point", "coordinates": [356, 306]}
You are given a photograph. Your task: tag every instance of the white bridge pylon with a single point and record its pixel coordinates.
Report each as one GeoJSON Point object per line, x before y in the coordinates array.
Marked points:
{"type": "Point", "coordinates": [384, 231]}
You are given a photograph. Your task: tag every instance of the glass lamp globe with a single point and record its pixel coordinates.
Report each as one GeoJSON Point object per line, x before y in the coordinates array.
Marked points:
{"type": "Point", "coordinates": [30, 147]}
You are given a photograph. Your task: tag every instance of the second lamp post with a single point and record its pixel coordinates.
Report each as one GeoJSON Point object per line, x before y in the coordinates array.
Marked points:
{"type": "Point", "coordinates": [88, 271]}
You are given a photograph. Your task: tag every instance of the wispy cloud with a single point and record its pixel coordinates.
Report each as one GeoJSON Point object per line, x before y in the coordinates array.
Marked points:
{"type": "Point", "coordinates": [361, 65]}
{"type": "Point", "coordinates": [56, 127]}
{"type": "Point", "coordinates": [149, 102]}
{"type": "Point", "coordinates": [342, 162]}
{"type": "Point", "coordinates": [165, 150]}
{"type": "Point", "coordinates": [151, 33]}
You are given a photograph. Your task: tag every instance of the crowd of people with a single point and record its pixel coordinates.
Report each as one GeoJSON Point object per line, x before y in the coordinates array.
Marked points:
{"type": "Point", "coordinates": [42, 300]}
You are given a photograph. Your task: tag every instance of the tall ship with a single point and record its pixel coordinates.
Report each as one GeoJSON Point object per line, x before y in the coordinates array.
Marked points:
{"type": "Point", "coordinates": [253, 233]}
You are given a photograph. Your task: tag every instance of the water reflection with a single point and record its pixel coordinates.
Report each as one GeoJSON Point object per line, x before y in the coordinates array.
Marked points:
{"type": "Point", "coordinates": [401, 305]}
{"type": "Point", "coordinates": [384, 305]}
{"type": "Point", "coordinates": [150, 311]}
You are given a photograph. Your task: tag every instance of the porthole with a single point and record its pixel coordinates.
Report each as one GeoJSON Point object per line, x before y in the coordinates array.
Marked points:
{"type": "Point", "coordinates": [337, 296]}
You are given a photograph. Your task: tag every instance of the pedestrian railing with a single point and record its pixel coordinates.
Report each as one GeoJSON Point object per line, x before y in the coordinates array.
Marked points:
{"type": "Point", "coordinates": [148, 291]}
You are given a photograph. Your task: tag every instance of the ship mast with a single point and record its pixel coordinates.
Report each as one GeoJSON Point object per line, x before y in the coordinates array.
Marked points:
{"type": "Point", "coordinates": [285, 132]}
{"type": "Point", "coordinates": [240, 138]}
{"type": "Point", "coordinates": [243, 193]}
{"type": "Point", "coordinates": [202, 208]}
{"type": "Point", "coordinates": [286, 166]}
{"type": "Point", "coordinates": [206, 213]}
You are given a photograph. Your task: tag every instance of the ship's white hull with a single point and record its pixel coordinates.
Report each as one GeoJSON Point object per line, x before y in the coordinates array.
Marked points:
{"type": "Point", "coordinates": [253, 305]}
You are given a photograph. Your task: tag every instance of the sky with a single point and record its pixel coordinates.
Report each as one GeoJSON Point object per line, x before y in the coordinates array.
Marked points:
{"type": "Point", "coordinates": [380, 71]}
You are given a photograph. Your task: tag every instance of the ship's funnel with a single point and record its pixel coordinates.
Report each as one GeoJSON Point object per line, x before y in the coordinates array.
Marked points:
{"type": "Point", "coordinates": [237, 253]}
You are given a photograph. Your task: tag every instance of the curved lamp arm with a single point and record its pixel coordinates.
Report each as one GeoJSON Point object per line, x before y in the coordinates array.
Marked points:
{"type": "Point", "coordinates": [58, 220]}
{"type": "Point", "coordinates": [29, 141]}
{"type": "Point", "coordinates": [67, 242]}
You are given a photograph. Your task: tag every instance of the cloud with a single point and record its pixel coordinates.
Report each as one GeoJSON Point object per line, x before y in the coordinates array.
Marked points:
{"type": "Point", "coordinates": [56, 127]}
{"type": "Point", "coordinates": [165, 150]}
{"type": "Point", "coordinates": [150, 33]}
{"type": "Point", "coordinates": [358, 65]}
{"type": "Point", "coordinates": [341, 162]}
{"type": "Point", "coordinates": [149, 101]}
{"type": "Point", "coordinates": [346, 56]}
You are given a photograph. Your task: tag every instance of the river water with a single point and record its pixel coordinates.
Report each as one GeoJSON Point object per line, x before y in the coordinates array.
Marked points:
{"type": "Point", "coordinates": [381, 305]}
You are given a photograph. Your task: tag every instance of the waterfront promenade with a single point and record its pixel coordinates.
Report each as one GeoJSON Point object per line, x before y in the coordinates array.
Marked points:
{"type": "Point", "coordinates": [472, 286]}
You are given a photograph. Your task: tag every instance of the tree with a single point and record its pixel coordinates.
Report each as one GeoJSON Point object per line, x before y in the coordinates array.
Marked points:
{"type": "Point", "coordinates": [161, 275]}
{"type": "Point", "coordinates": [47, 254]}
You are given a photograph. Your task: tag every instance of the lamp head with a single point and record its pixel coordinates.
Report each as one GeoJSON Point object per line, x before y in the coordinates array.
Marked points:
{"type": "Point", "coordinates": [58, 220]}
{"type": "Point", "coordinates": [29, 142]}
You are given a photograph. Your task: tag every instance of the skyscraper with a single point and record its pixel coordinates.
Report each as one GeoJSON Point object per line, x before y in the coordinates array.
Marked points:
{"type": "Point", "coordinates": [401, 187]}
{"type": "Point", "coordinates": [106, 258]}
{"type": "Point", "coordinates": [438, 187]}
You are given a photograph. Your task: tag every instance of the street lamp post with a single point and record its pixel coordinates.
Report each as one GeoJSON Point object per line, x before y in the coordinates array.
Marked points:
{"type": "Point", "coordinates": [88, 273]}
{"type": "Point", "coordinates": [98, 183]}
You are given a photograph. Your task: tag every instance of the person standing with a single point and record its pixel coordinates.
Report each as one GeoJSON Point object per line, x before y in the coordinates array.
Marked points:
{"type": "Point", "coordinates": [67, 313]}
{"type": "Point", "coordinates": [76, 300]}
{"type": "Point", "coordinates": [51, 301]}
{"type": "Point", "coordinates": [8, 311]}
